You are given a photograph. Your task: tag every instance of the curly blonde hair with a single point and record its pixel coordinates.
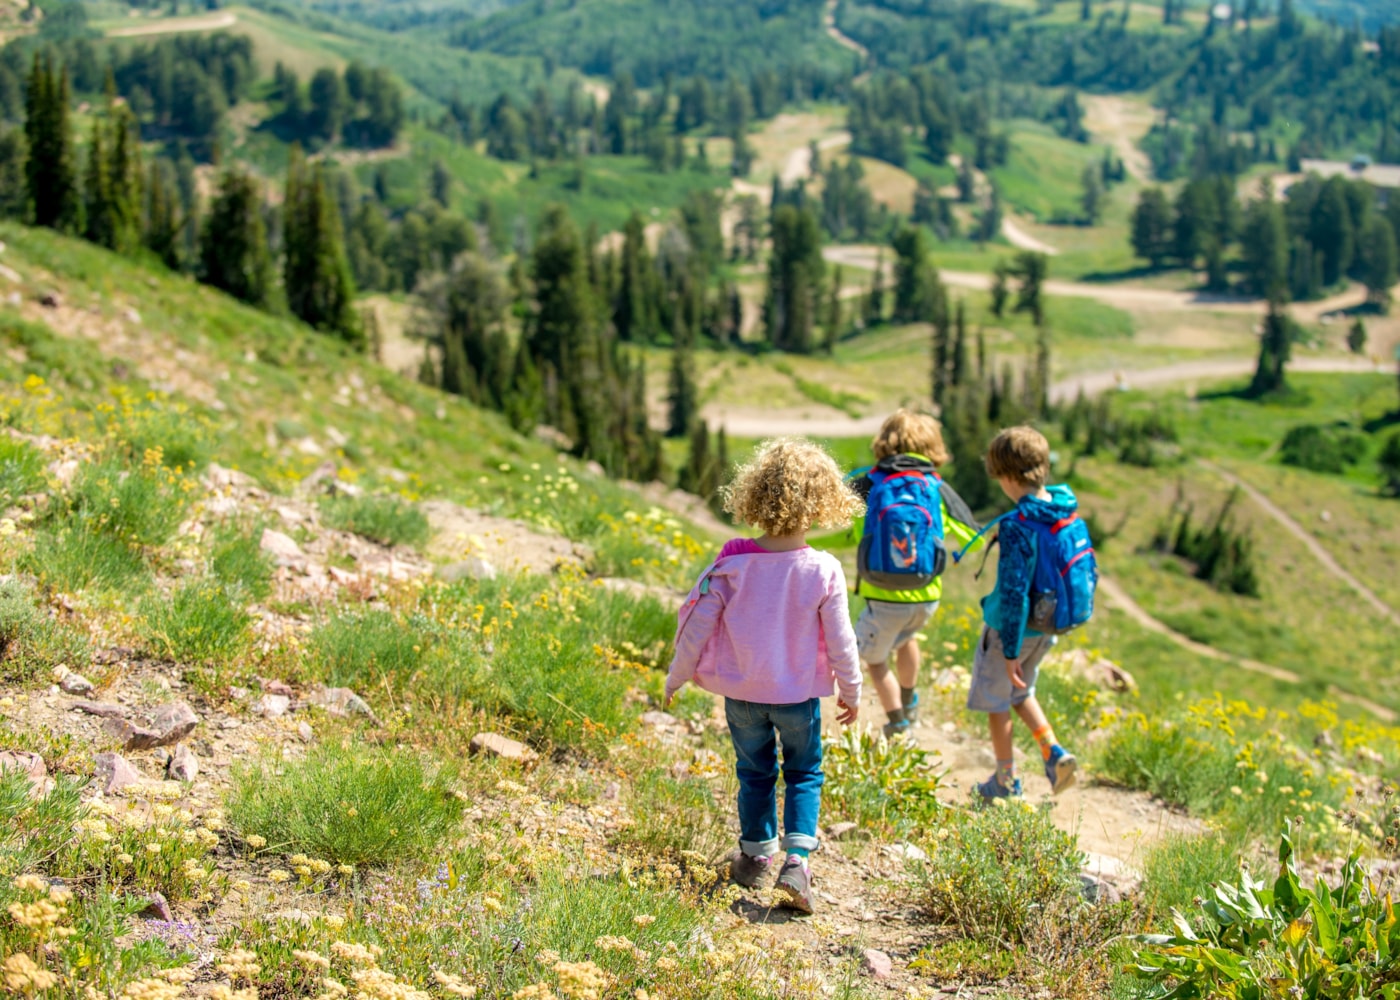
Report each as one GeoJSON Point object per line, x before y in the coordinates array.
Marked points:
{"type": "Point", "coordinates": [906, 432]}
{"type": "Point", "coordinates": [790, 486]}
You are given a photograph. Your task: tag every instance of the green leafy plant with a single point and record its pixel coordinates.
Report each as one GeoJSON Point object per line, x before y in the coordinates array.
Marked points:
{"type": "Point", "coordinates": [388, 520]}
{"type": "Point", "coordinates": [350, 804]}
{"type": "Point", "coordinates": [236, 559]}
{"type": "Point", "coordinates": [1283, 940]}
{"type": "Point", "coordinates": [880, 783]}
{"type": "Point", "coordinates": [1323, 448]}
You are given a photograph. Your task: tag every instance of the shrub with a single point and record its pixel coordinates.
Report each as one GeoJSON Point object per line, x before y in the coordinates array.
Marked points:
{"type": "Point", "coordinates": [202, 621]}
{"type": "Point", "coordinates": [1263, 938]}
{"type": "Point", "coordinates": [114, 512]}
{"type": "Point", "coordinates": [21, 469]}
{"type": "Point", "coordinates": [1221, 554]}
{"type": "Point", "coordinates": [351, 804]}
{"type": "Point", "coordinates": [1001, 875]}
{"type": "Point", "coordinates": [236, 559]}
{"type": "Point", "coordinates": [1182, 868]}
{"type": "Point", "coordinates": [1390, 465]}
{"type": "Point", "coordinates": [359, 648]}
{"type": "Point", "coordinates": [30, 642]}
{"type": "Point", "coordinates": [1226, 760]}
{"type": "Point", "coordinates": [886, 784]}
{"type": "Point", "coordinates": [165, 431]}
{"type": "Point", "coordinates": [1323, 449]}
{"type": "Point", "coordinates": [387, 520]}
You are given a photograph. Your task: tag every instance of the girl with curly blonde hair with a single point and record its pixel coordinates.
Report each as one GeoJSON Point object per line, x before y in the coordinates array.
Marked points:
{"type": "Point", "coordinates": [768, 628]}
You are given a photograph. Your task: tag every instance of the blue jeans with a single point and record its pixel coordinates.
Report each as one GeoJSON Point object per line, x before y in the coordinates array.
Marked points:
{"type": "Point", "coordinates": [756, 730]}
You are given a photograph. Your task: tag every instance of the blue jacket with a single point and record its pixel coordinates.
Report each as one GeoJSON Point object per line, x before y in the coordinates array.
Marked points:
{"type": "Point", "coordinates": [1008, 607]}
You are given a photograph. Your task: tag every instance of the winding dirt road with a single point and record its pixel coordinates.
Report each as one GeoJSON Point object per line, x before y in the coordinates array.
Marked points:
{"type": "Point", "coordinates": [175, 25]}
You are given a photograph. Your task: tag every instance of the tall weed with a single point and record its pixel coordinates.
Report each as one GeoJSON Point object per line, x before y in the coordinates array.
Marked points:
{"type": "Point", "coordinates": [388, 520]}
{"type": "Point", "coordinates": [30, 642]}
{"type": "Point", "coordinates": [21, 469]}
{"type": "Point", "coordinates": [236, 559]}
{"type": "Point", "coordinates": [202, 621]}
{"type": "Point", "coordinates": [351, 804]}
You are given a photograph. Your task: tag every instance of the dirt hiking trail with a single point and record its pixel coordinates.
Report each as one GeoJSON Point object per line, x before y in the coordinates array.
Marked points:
{"type": "Point", "coordinates": [176, 25]}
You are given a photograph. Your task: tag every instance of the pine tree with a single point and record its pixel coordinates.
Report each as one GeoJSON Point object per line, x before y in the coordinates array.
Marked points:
{"type": "Point", "coordinates": [1264, 242]}
{"type": "Point", "coordinates": [1092, 197]}
{"type": "Point", "coordinates": [1000, 291]}
{"type": "Point", "coordinates": [1032, 269]}
{"type": "Point", "coordinates": [1377, 253]}
{"type": "Point", "coordinates": [463, 316]}
{"type": "Point", "coordinates": [957, 373]}
{"type": "Point", "coordinates": [14, 194]}
{"type": "Point", "coordinates": [832, 320]}
{"type": "Point", "coordinates": [1275, 349]}
{"type": "Point", "coordinates": [941, 335]}
{"type": "Point", "coordinates": [1152, 227]}
{"type": "Point", "coordinates": [794, 279]}
{"type": "Point", "coordinates": [684, 398]}
{"type": "Point", "coordinates": [875, 300]}
{"type": "Point", "coordinates": [162, 231]}
{"type": "Point", "coordinates": [1039, 402]}
{"type": "Point", "coordinates": [1357, 336]}
{"type": "Point", "coordinates": [49, 171]}
{"type": "Point", "coordinates": [99, 225]}
{"type": "Point", "coordinates": [635, 312]}
{"type": "Point", "coordinates": [233, 252]}
{"type": "Point", "coordinates": [315, 271]}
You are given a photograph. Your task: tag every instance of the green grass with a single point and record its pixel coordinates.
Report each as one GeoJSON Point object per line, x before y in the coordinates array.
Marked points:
{"type": "Point", "coordinates": [388, 520]}
{"type": "Point", "coordinates": [21, 469]}
{"type": "Point", "coordinates": [612, 186]}
{"type": "Point", "coordinates": [361, 649]}
{"type": "Point", "coordinates": [1043, 173]}
{"type": "Point", "coordinates": [1182, 868]}
{"type": "Point", "coordinates": [236, 559]}
{"type": "Point", "coordinates": [31, 643]}
{"type": "Point", "coordinates": [201, 623]}
{"type": "Point", "coordinates": [349, 804]}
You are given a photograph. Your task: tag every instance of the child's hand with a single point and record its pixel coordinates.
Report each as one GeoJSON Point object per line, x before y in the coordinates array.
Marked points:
{"type": "Point", "coordinates": [846, 714]}
{"type": "Point", "coordinates": [671, 696]}
{"type": "Point", "coordinates": [1013, 671]}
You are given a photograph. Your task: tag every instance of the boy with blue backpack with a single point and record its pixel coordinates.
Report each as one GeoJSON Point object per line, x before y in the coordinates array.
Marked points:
{"type": "Point", "coordinates": [1046, 575]}
{"type": "Point", "coordinates": [911, 518]}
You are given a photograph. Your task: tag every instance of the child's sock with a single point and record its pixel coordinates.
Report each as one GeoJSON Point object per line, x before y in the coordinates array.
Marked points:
{"type": "Point", "coordinates": [896, 716]}
{"type": "Point", "coordinates": [798, 852]}
{"type": "Point", "coordinates": [908, 696]}
{"type": "Point", "coordinates": [1046, 738]}
{"type": "Point", "coordinates": [1006, 773]}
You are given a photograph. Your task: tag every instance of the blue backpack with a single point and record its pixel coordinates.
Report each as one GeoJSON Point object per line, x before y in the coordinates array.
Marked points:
{"type": "Point", "coordinates": [1066, 572]}
{"type": "Point", "coordinates": [902, 545]}
{"type": "Point", "coordinates": [1066, 575]}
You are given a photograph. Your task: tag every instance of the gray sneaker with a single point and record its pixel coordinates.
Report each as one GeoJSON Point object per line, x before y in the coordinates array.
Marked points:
{"type": "Point", "coordinates": [794, 889]}
{"type": "Point", "coordinates": [749, 872]}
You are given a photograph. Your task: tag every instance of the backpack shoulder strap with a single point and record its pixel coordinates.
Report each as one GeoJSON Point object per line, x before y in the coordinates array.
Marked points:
{"type": "Point", "coordinates": [957, 506]}
{"type": "Point", "coordinates": [958, 556]}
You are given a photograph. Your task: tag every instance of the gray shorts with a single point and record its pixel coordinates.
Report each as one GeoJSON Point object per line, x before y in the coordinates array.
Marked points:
{"type": "Point", "coordinates": [884, 626]}
{"type": "Point", "coordinates": [991, 689]}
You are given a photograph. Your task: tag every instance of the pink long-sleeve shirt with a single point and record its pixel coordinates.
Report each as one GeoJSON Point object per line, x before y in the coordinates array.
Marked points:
{"type": "Point", "coordinates": [768, 627]}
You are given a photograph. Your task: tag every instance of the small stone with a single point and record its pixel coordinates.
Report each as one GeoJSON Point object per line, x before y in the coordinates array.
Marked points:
{"type": "Point", "coordinates": [272, 706]}
{"type": "Point", "coordinates": [63, 471]}
{"type": "Point", "coordinates": [173, 722]}
{"type": "Point", "coordinates": [29, 764]}
{"type": "Point", "coordinates": [611, 791]}
{"type": "Point", "coordinates": [238, 693]}
{"type": "Point", "coordinates": [101, 709]}
{"type": "Point", "coordinates": [341, 701]}
{"type": "Point", "coordinates": [843, 831]}
{"type": "Point", "coordinates": [906, 851]}
{"type": "Point", "coordinates": [1097, 890]}
{"type": "Point", "coordinates": [75, 684]}
{"type": "Point", "coordinates": [230, 724]}
{"type": "Point", "coordinates": [277, 687]}
{"type": "Point", "coordinates": [495, 745]}
{"type": "Point", "coordinates": [114, 773]}
{"type": "Point", "coordinates": [158, 908]}
{"type": "Point", "coordinates": [657, 720]}
{"type": "Point", "coordinates": [876, 964]}
{"type": "Point", "coordinates": [132, 316]}
{"type": "Point", "coordinates": [50, 300]}
{"type": "Point", "coordinates": [10, 274]}
{"type": "Point", "coordinates": [282, 548]}
{"type": "Point", "coordinates": [471, 568]}
{"type": "Point", "coordinates": [184, 765]}
{"type": "Point", "coordinates": [305, 732]}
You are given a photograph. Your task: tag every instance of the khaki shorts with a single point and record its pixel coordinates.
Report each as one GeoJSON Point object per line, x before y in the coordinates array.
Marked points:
{"type": "Point", "coordinates": [991, 689]}
{"type": "Point", "coordinates": [884, 626]}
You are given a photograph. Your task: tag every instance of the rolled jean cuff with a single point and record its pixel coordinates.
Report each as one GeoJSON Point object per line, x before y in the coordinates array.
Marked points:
{"type": "Point", "coordinates": [760, 848]}
{"type": "Point", "coordinates": [801, 841]}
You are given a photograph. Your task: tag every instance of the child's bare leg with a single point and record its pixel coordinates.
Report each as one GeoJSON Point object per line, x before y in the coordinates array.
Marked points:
{"type": "Point", "coordinates": [907, 661]}
{"type": "Point", "coordinates": [1000, 725]}
{"type": "Point", "coordinates": [885, 685]}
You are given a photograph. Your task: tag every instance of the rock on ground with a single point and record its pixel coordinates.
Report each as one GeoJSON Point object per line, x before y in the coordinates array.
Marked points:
{"type": "Point", "coordinates": [876, 963]}
{"type": "Point", "coordinates": [496, 745]}
{"type": "Point", "coordinates": [114, 773]}
{"type": "Point", "coordinates": [184, 765]}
